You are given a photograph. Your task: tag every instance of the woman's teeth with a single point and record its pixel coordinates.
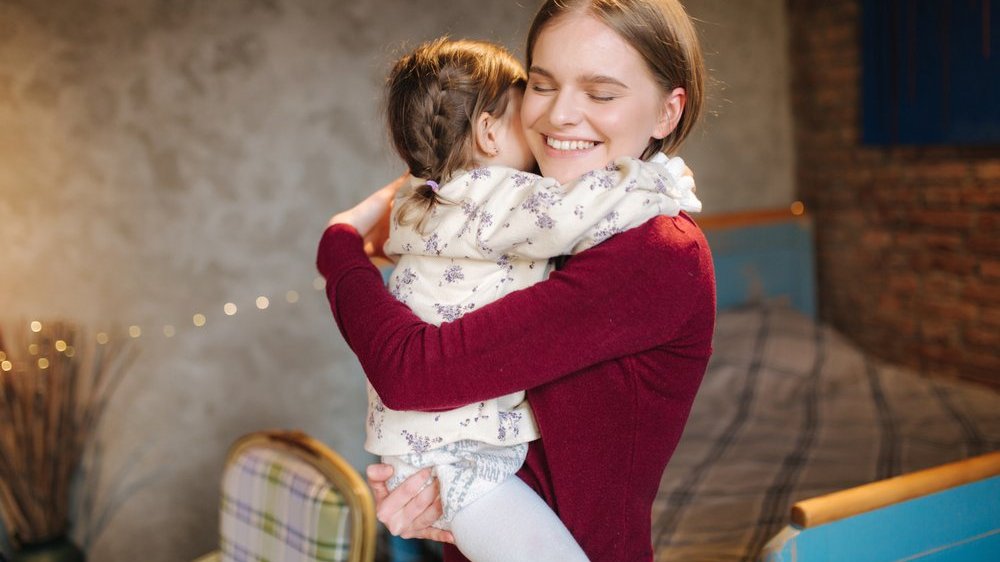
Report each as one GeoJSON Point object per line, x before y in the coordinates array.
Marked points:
{"type": "Point", "coordinates": [569, 145]}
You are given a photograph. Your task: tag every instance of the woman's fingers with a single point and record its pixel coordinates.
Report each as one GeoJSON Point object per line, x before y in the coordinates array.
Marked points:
{"type": "Point", "coordinates": [392, 512]}
{"type": "Point", "coordinates": [396, 500]}
{"type": "Point", "coordinates": [376, 238]}
{"type": "Point", "coordinates": [378, 475]}
{"type": "Point", "coordinates": [378, 472]}
{"type": "Point", "coordinates": [375, 209]}
{"type": "Point", "coordinates": [417, 515]}
{"type": "Point", "coordinates": [365, 215]}
{"type": "Point", "coordinates": [422, 523]}
{"type": "Point", "coordinates": [411, 509]}
{"type": "Point", "coordinates": [435, 534]}
{"type": "Point", "coordinates": [389, 190]}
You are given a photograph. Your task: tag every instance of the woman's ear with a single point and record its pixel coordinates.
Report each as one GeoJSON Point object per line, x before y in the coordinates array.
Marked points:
{"type": "Point", "coordinates": [670, 114]}
{"type": "Point", "coordinates": [486, 135]}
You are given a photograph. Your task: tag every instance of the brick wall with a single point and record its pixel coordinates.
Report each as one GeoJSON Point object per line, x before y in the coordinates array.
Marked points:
{"type": "Point", "coordinates": [908, 239]}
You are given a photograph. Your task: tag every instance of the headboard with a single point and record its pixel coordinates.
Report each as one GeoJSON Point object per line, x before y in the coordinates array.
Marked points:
{"type": "Point", "coordinates": [759, 256]}
{"type": "Point", "coordinates": [763, 255]}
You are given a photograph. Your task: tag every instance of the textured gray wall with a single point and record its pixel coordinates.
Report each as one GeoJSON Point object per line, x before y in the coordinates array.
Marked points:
{"type": "Point", "coordinates": [160, 158]}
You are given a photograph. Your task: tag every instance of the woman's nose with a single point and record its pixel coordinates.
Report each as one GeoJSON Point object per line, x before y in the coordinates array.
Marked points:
{"type": "Point", "coordinates": [564, 110]}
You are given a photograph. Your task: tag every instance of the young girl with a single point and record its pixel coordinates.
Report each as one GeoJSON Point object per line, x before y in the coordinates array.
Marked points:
{"type": "Point", "coordinates": [471, 228]}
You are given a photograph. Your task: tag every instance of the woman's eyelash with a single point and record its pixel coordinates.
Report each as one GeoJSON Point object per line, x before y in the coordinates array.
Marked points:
{"type": "Point", "coordinates": [596, 96]}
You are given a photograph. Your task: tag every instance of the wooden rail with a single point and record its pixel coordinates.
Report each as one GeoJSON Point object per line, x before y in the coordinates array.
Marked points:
{"type": "Point", "coordinates": [750, 218]}
{"type": "Point", "coordinates": [853, 501]}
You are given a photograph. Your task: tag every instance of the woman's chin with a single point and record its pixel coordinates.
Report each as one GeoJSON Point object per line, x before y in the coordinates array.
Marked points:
{"type": "Point", "coordinates": [565, 170]}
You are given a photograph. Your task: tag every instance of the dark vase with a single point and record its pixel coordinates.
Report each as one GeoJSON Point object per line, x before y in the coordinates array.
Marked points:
{"type": "Point", "coordinates": [59, 549]}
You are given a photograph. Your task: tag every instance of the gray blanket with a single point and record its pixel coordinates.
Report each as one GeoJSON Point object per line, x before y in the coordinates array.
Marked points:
{"type": "Point", "coordinates": [789, 410]}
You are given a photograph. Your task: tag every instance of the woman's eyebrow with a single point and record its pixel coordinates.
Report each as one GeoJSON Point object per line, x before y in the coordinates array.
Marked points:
{"type": "Point", "coordinates": [603, 79]}
{"type": "Point", "coordinates": [540, 70]}
{"type": "Point", "coordinates": [585, 79]}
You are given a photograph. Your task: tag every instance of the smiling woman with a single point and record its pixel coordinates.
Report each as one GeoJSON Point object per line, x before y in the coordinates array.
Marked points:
{"type": "Point", "coordinates": [611, 348]}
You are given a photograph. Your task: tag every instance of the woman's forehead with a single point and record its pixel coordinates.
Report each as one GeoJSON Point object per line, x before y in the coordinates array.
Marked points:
{"type": "Point", "coordinates": [581, 47]}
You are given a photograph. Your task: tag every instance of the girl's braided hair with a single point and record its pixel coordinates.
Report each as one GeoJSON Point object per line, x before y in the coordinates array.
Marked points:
{"type": "Point", "coordinates": [433, 97]}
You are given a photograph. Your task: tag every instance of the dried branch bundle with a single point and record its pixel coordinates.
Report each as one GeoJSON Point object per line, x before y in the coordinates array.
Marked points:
{"type": "Point", "coordinates": [53, 394]}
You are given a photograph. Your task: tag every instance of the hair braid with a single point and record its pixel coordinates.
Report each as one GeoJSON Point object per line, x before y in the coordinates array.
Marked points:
{"type": "Point", "coordinates": [434, 96]}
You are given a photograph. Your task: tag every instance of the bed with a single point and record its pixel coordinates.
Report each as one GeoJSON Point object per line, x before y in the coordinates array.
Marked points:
{"type": "Point", "coordinates": [790, 409]}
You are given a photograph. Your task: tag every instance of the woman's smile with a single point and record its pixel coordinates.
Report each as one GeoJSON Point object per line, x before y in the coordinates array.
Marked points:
{"type": "Point", "coordinates": [569, 145]}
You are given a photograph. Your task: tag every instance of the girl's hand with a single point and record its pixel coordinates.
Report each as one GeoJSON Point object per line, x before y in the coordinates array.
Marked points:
{"type": "Point", "coordinates": [371, 217]}
{"type": "Point", "coordinates": [690, 174]}
{"type": "Point", "coordinates": [409, 510]}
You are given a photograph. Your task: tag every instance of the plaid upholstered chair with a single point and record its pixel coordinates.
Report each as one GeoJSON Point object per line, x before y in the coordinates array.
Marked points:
{"type": "Point", "coordinates": [287, 498]}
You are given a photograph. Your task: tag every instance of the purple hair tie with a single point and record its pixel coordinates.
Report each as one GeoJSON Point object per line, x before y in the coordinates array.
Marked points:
{"type": "Point", "coordinates": [434, 185]}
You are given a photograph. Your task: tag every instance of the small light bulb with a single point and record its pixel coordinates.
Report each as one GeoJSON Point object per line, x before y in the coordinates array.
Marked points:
{"type": "Point", "coordinates": [33, 349]}
{"type": "Point", "coordinates": [60, 345]}
{"type": "Point", "coordinates": [134, 331]}
{"type": "Point", "coordinates": [319, 283]}
{"type": "Point", "coordinates": [3, 356]}
{"type": "Point", "coordinates": [292, 297]}
{"type": "Point", "coordinates": [102, 338]}
{"type": "Point", "coordinates": [798, 208]}
{"type": "Point", "coordinates": [199, 320]}
{"type": "Point", "coordinates": [70, 351]}
{"type": "Point", "coordinates": [6, 365]}
{"type": "Point", "coordinates": [263, 302]}
{"type": "Point", "coordinates": [230, 309]}
{"type": "Point", "coordinates": [36, 326]}
{"type": "Point", "coordinates": [43, 363]}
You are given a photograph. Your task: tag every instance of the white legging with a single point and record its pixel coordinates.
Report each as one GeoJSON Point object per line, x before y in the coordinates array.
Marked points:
{"type": "Point", "coordinates": [510, 524]}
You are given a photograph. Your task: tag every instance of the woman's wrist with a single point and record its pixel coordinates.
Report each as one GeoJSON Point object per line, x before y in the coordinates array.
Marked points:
{"type": "Point", "coordinates": [340, 248]}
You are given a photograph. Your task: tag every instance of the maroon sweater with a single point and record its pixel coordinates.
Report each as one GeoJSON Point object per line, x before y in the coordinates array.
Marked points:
{"type": "Point", "coordinates": [611, 349]}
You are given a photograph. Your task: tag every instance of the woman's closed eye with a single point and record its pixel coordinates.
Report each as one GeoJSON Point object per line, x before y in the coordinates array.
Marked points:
{"type": "Point", "coordinates": [541, 88]}
{"type": "Point", "coordinates": [602, 96]}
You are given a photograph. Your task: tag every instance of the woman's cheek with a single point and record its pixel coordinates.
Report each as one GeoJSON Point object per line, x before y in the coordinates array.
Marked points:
{"type": "Point", "coordinates": [532, 106]}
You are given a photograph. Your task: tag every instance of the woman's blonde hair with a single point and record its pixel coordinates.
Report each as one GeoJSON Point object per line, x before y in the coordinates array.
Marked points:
{"type": "Point", "coordinates": [434, 96]}
{"type": "Point", "coordinates": [663, 35]}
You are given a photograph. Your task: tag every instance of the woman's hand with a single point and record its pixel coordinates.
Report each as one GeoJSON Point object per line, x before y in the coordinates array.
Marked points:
{"type": "Point", "coordinates": [371, 217]}
{"type": "Point", "coordinates": [411, 508]}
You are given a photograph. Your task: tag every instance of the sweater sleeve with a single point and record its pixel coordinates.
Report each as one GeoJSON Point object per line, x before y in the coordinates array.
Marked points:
{"type": "Point", "coordinates": [632, 293]}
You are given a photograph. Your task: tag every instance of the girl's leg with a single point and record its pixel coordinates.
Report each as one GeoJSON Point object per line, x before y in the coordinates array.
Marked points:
{"type": "Point", "coordinates": [511, 523]}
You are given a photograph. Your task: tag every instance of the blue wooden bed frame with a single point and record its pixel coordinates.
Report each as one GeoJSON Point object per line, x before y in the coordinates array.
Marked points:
{"type": "Point", "coordinates": [761, 256]}
{"type": "Point", "coordinates": [769, 255]}
{"type": "Point", "coordinates": [954, 515]}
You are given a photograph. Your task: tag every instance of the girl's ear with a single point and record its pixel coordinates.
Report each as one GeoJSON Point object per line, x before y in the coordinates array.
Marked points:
{"type": "Point", "coordinates": [486, 136]}
{"type": "Point", "coordinates": [670, 114]}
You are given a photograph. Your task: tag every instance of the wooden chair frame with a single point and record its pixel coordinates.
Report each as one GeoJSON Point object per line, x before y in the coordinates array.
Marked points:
{"type": "Point", "coordinates": [332, 466]}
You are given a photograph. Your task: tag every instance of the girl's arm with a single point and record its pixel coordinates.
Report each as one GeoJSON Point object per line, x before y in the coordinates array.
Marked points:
{"type": "Point", "coordinates": [538, 218]}
{"type": "Point", "coordinates": [632, 293]}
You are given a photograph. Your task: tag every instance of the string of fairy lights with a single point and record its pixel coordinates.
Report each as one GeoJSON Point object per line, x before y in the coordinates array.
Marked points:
{"type": "Point", "coordinates": [200, 319]}
{"type": "Point", "coordinates": [135, 331]}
